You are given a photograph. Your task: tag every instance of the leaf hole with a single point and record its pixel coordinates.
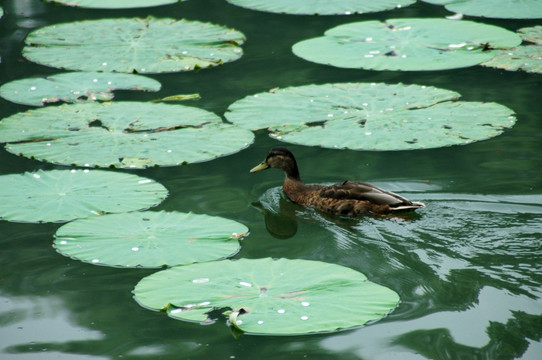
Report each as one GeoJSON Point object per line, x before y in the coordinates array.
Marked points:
{"type": "Point", "coordinates": [391, 53]}
{"type": "Point", "coordinates": [97, 123]}
{"type": "Point", "coordinates": [318, 123]}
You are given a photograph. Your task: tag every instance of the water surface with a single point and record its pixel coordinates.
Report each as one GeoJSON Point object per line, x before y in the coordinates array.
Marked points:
{"type": "Point", "coordinates": [467, 267]}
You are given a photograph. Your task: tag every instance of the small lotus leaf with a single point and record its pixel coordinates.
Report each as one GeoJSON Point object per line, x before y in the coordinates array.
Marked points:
{"type": "Point", "coordinates": [362, 116]}
{"type": "Point", "coordinates": [62, 195]}
{"type": "Point", "coordinates": [321, 7]}
{"type": "Point", "coordinates": [149, 239]}
{"type": "Point", "coordinates": [73, 87]}
{"type": "Point", "coordinates": [134, 45]}
{"type": "Point", "coordinates": [407, 44]}
{"type": "Point", "coordinates": [121, 134]}
{"type": "Point", "coordinates": [274, 297]}
{"type": "Point", "coordinates": [532, 34]}
{"type": "Point", "coordinates": [113, 4]}
{"type": "Point", "coordinates": [504, 9]}
{"type": "Point", "coordinates": [526, 58]}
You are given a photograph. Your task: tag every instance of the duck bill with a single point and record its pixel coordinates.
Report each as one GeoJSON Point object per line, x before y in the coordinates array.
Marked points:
{"type": "Point", "coordinates": [260, 167]}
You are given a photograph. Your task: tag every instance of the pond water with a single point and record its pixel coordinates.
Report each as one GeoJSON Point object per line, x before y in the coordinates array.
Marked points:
{"type": "Point", "coordinates": [468, 267]}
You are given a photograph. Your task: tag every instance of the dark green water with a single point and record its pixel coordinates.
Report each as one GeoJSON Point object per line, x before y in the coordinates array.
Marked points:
{"type": "Point", "coordinates": [468, 268]}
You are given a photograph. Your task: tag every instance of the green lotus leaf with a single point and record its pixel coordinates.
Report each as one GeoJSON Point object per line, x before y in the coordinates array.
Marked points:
{"type": "Point", "coordinates": [504, 9]}
{"type": "Point", "coordinates": [407, 44]}
{"type": "Point", "coordinates": [526, 58]}
{"type": "Point", "coordinates": [62, 195]}
{"type": "Point", "coordinates": [321, 7]}
{"type": "Point", "coordinates": [113, 4]}
{"type": "Point", "coordinates": [121, 134]}
{"type": "Point", "coordinates": [149, 239]}
{"type": "Point", "coordinates": [363, 116]}
{"type": "Point", "coordinates": [73, 87]}
{"type": "Point", "coordinates": [273, 297]}
{"type": "Point", "coordinates": [134, 45]}
{"type": "Point", "coordinates": [532, 34]}
{"type": "Point", "coordinates": [523, 58]}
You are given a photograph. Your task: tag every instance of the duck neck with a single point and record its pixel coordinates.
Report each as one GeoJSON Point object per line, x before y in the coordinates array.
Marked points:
{"type": "Point", "coordinates": [293, 186]}
{"type": "Point", "coordinates": [292, 172]}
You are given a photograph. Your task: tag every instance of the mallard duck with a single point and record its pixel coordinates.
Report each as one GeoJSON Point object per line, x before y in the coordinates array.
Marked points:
{"type": "Point", "coordinates": [345, 198]}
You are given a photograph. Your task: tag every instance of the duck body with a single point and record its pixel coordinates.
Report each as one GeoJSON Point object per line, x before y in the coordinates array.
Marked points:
{"type": "Point", "coordinates": [348, 198]}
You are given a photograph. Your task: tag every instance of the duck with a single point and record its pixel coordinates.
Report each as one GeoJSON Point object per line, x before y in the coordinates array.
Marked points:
{"type": "Point", "coordinates": [349, 198]}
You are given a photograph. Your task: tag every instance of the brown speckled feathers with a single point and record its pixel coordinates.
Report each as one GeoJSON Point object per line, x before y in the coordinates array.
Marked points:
{"type": "Point", "coordinates": [346, 198]}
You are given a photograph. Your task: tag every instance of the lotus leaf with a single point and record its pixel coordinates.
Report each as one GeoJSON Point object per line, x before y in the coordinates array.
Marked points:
{"type": "Point", "coordinates": [526, 58]}
{"type": "Point", "coordinates": [321, 7]}
{"type": "Point", "coordinates": [149, 239]}
{"type": "Point", "coordinates": [134, 45]}
{"type": "Point", "coordinates": [363, 116]}
{"type": "Point", "coordinates": [407, 44]}
{"type": "Point", "coordinates": [273, 297]}
{"type": "Point", "coordinates": [505, 9]}
{"type": "Point", "coordinates": [73, 87]}
{"type": "Point", "coordinates": [532, 34]}
{"type": "Point", "coordinates": [523, 58]}
{"type": "Point", "coordinates": [113, 4]}
{"type": "Point", "coordinates": [62, 195]}
{"type": "Point", "coordinates": [121, 134]}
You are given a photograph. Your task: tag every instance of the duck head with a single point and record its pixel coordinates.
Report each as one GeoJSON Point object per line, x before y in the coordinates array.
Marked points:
{"type": "Point", "coordinates": [280, 158]}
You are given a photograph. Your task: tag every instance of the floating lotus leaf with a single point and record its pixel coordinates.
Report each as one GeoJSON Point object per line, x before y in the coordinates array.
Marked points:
{"type": "Point", "coordinates": [121, 134]}
{"type": "Point", "coordinates": [62, 195]}
{"type": "Point", "coordinates": [504, 9]}
{"type": "Point", "coordinates": [274, 297]}
{"type": "Point", "coordinates": [73, 87]}
{"type": "Point", "coordinates": [149, 239]}
{"type": "Point", "coordinates": [134, 45]}
{"type": "Point", "coordinates": [362, 116]}
{"type": "Point", "coordinates": [407, 44]}
{"type": "Point", "coordinates": [321, 7]}
{"type": "Point", "coordinates": [113, 4]}
{"type": "Point", "coordinates": [532, 34]}
{"type": "Point", "coordinates": [526, 58]}
{"type": "Point", "coordinates": [523, 58]}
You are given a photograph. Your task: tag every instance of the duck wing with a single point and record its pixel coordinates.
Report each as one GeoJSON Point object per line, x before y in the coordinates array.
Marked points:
{"type": "Point", "coordinates": [357, 190]}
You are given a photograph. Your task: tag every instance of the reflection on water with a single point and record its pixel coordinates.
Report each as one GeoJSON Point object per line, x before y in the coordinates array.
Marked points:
{"type": "Point", "coordinates": [465, 258]}
{"type": "Point", "coordinates": [279, 213]}
{"type": "Point", "coordinates": [494, 319]}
